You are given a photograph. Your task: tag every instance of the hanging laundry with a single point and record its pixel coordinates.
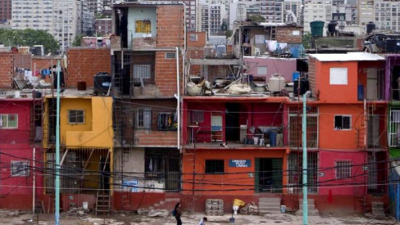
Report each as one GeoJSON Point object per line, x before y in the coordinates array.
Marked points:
{"type": "Point", "coordinates": [282, 45]}
{"type": "Point", "coordinates": [272, 45]}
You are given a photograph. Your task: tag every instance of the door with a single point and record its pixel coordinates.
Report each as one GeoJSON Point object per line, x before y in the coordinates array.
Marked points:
{"type": "Point", "coordinates": [173, 171]}
{"type": "Point", "coordinates": [268, 175]}
{"type": "Point", "coordinates": [105, 173]}
{"type": "Point", "coordinates": [232, 126]}
{"type": "Point", "coordinates": [373, 131]}
{"type": "Point", "coordinates": [216, 126]}
{"type": "Point", "coordinates": [372, 84]}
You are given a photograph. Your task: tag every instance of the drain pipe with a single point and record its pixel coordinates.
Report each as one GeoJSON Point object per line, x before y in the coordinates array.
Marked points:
{"type": "Point", "coordinates": [178, 96]}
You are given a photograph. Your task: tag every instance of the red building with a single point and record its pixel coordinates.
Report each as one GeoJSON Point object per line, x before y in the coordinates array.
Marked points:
{"type": "Point", "coordinates": [20, 152]}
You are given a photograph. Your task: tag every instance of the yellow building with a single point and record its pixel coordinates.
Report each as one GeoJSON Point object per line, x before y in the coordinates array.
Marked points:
{"type": "Point", "coordinates": [86, 139]}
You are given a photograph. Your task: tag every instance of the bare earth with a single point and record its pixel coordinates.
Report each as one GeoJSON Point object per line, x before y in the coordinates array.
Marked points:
{"type": "Point", "coordinates": [14, 217]}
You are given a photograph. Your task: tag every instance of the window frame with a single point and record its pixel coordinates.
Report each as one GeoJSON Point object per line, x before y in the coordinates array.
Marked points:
{"type": "Point", "coordinates": [344, 115]}
{"type": "Point", "coordinates": [7, 127]}
{"type": "Point", "coordinates": [332, 69]}
{"type": "Point", "coordinates": [337, 173]}
{"type": "Point", "coordinates": [143, 19]}
{"type": "Point", "coordinates": [143, 110]}
{"type": "Point", "coordinates": [25, 171]}
{"type": "Point", "coordinates": [207, 169]}
{"type": "Point", "coordinates": [76, 110]}
{"type": "Point", "coordinates": [145, 80]}
{"type": "Point", "coordinates": [196, 114]}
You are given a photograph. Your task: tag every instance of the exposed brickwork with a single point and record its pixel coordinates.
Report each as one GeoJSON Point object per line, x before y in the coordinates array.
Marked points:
{"type": "Point", "coordinates": [84, 63]}
{"type": "Point", "coordinates": [6, 69]}
{"type": "Point", "coordinates": [285, 35]}
{"type": "Point", "coordinates": [195, 49]}
{"type": "Point", "coordinates": [311, 74]}
{"type": "Point", "coordinates": [165, 74]}
{"type": "Point", "coordinates": [156, 138]}
{"type": "Point", "coordinates": [170, 26]}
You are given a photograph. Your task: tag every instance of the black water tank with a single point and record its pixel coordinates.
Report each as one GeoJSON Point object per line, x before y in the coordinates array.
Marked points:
{"type": "Point", "coordinates": [304, 86]}
{"type": "Point", "coordinates": [332, 26]}
{"type": "Point", "coordinates": [393, 46]}
{"type": "Point", "coordinates": [370, 27]}
{"type": "Point", "coordinates": [102, 82]}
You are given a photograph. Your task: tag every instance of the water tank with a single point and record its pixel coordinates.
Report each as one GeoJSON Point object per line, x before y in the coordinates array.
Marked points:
{"type": "Point", "coordinates": [221, 50]}
{"type": "Point", "coordinates": [276, 83]}
{"type": "Point", "coordinates": [296, 75]}
{"type": "Point", "coordinates": [102, 82]}
{"type": "Point", "coordinates": [317, 28]}
{"type": "Point", "coordinates": [370, 27]}
{"type": "Point", "coordinates": [332, 26]}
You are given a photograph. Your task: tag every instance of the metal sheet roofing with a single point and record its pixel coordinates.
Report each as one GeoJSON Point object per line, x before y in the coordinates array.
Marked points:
{"type": "Point", "coordinates": [351, 56]}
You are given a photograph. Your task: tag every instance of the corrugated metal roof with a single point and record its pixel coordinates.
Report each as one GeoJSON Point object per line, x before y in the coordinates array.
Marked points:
{"type": "Point", "coordinates": [351, 56]}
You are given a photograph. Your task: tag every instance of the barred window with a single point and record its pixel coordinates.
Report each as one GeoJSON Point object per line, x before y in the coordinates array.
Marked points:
{"type": "Point", "coordinates": [197, 116]}
{"type": "Point", "coordinates": [215, 166]}
{"type": "Point", "coordinates": [76, 116]}
{"type": "Point", "coordinates": [343, 169]}
{"type": "Point", "coordinates": [19, 168]}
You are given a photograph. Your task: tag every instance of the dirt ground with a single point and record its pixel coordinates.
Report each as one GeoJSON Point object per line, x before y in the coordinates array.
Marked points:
{"type": "Point", "coordinates": [15, 217]}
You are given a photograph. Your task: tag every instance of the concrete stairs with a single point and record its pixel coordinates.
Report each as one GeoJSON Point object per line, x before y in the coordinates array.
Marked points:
{"type": "Point", "coordinates": [269, 205]}
{"type": "Point", "coordinates": [312, 211]}
{"type": "Point", "coordinates": [378, 210]}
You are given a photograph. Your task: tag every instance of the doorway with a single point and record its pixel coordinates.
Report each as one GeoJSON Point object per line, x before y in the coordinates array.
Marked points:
{"type": "Point", "coordinates": [105, 173]}
{"type": "Point", "coordinates": [268, 175]}
{"type": "Point", "coordinates": [232, 126]}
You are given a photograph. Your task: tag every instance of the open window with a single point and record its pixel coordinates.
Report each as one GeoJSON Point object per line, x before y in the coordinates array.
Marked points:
{"type": "Point", "coordinates": [342, 122]}
{"type": "Point", "coordinates": [166, 121]}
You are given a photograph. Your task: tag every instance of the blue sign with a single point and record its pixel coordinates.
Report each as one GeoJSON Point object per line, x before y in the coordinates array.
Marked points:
{"type": "Point", "coordinates": [131, 185]}
{"type": "Point", "coordinates": [240, 163]}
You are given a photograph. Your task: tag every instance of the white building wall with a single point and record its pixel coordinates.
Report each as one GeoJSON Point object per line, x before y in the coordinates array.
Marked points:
{"type": "Point", "coordinates": [317, 10]}
{"type": "Point", "coordinates": [387, 16]}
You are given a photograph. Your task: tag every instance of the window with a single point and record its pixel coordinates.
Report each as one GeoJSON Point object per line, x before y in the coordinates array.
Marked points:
{"type": "Point", "coordinates": [19, 168]}
{"type": "Point", "coordinates": [193, 37]}
{"type": "Point", "coordinates": [214, 166]}
{"type": "Point", "coordinates": [262, 70]}
{"type": "Point", "coordinates": [170, 55]}
{"type": "Point", "coordinates": [196, 116]}
{"type": "Point", "coordinates": [143, 26]}
{"type": "Point", "coordinates": [8, 121]}
{"type": "Point", "coordinates": [394, 128]}
{"type": "Point", "coordinates": [142, 71]}
{"type": "Point", "coordinates": [343, 169]}
{"type": "Point", "coordinates": [143, 118]}
{"type": "Point", "coordinates": [338, 76]}
{"type": "Point", "coordinates": [166, 121]}
{"type": "Point", "coordinates": [76, 116]}
{"type": "Point", "coordinates": [342, 122]}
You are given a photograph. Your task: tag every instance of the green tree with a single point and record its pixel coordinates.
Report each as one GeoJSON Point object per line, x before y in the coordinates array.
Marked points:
{"type": "Point", "coordinates": [228, 33]}
{"type": "Point", "coordinates": [29, 37]}
{"type": "Point", "coordinates": [307, 40]}
{"type": "Point", "coordinates": [256, 18]}
{"type": "Point", "coordinates": [78, 40]}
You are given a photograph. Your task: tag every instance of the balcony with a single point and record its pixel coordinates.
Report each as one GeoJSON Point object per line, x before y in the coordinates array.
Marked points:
{"type": "Point", "coordinates": [241, 125]}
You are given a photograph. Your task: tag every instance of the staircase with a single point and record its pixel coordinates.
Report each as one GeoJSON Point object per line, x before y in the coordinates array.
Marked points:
{"type": "Point", "coordinates": [269, 206]}
{"type": "Point", "coordinates": [102, 203]}
{"type": "Point", "coordinates": [378, 210]}
{"type": "Point", "coordinates": [312, 211]}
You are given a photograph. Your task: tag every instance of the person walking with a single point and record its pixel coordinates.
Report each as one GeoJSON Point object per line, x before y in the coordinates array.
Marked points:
{"type": "Point", "coordinates": [178, 213]}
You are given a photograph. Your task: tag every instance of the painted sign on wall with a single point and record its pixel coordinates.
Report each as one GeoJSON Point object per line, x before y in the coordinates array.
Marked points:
{"type": "Point", "coordinates": [131, 185]}
{"type": "Point", "coordinates": [240, 163]}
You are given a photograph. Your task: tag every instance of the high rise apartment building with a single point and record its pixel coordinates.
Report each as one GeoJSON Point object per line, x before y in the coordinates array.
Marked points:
{"type": "Point", "coordinates": [387, 15]}
{"type": "Point", "coordinates": [317, 10]}
{"type": "Point", "coordinates": [5, 11]}
{"type": "Point", "coordinates": [64, 19]}
{"type": "Point", "coordinates": [366, 12]}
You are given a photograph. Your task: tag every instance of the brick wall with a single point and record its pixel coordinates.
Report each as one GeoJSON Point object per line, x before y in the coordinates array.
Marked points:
{"type": "Point", "coordinates": [312, 75]}
{"type": "Point", "coordinates": [170, 26]}
{"type": "Point", "coordinates": [156, 138]}
{"type": "Point", "coordinates": [285, 35]}
{"type": "Point", "coordinates": [6, 69]}
{"type": "Point", "coordinates": [84, 63]}
{"type": "Point", "coordinates": [165, 74]}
